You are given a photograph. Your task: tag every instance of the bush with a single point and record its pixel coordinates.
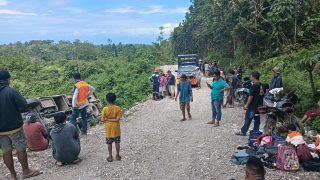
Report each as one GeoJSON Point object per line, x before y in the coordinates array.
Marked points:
{"type": "Point", "coordinates": [315, 124]}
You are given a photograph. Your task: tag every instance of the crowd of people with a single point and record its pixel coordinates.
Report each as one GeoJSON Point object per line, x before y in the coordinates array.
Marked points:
{"type": "Point", "coordinates": [64, 137]}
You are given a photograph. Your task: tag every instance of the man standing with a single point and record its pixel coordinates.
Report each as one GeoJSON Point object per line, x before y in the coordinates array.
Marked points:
{"type": "Point", "coordinates": [81, 92]}
{"type": "Point", "coordinates": [155, 79]}
{"type": "Point", "coordinates": [254, 101]}
{"type": "Point", "coordinates": [185, 91]}
{"type": "Point", "coordinates": [171, 83]}
{"type": "Point", "coordinates": [276, 81]}
{"type": "Point", "coordinates": [12, 104]}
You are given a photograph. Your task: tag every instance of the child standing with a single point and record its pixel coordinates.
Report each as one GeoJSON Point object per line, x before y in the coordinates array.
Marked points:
{"type": "Point", "coordinates": [185, 92]}
{"type": "Point", "coordinates": [163, 84]}
{"type": "Point", "coordinates": [111, 115]}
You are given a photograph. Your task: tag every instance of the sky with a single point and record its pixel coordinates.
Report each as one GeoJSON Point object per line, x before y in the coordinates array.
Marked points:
{"type": "Point", "coordinates": [126, 21]}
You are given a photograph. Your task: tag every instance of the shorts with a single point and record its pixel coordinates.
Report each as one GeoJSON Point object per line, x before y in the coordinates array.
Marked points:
{"type": "Point", "coordinates": [113, 140]}
{"type": "Point", "coordinates": [162, 88]}
{"type": "Point", "coordinates": [184, 105]}
{"type": "Point", "coordinates": [172, 89]}
{"type": "Point", "coordinates": [18, 140]}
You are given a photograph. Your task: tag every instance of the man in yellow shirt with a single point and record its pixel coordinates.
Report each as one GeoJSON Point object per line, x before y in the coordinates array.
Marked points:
{"type": "Point", "coordinates": [111, 115]}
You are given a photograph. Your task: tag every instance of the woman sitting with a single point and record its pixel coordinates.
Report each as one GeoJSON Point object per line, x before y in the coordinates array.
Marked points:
{"type": "Point", "coordinates": [36, 133]}
{"type": "Point", "coordinates": [66, 143]}
{"type": "Point", "coordinates": [311, 114]}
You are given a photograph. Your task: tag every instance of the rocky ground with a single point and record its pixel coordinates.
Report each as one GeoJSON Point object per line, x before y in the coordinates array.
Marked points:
{"type": "Point", "coordinates": [156, 145]}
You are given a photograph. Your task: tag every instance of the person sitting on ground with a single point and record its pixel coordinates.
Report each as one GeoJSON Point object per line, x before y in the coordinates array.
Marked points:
{"type": "Point", "coordinates": [111, 115]}
{"type": "Point", "coordinates": [295, 138]}
{"type": "Point", "coordinates": [36, 133]}
{"type": "Point", "coordinates": [255, 169]}
{"type": "Point", "coordinates": [311, 114]}
{"type": "Point", "coordinates": [185, 91]}
{"type": "Point", "coordinates": [66, 143]}
{"type": "Point", "coordinates": [12, 104]}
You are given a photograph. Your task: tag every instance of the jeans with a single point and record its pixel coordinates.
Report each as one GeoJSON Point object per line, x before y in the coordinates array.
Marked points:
{"type": "Point", "coordinates": [75, 115]}
{"type": "Point", "coordinates": [216, 109]}
{"type": "Point", "coordinates": [155, 90]}
{"type": "Point", "coordinates": [250, 114]}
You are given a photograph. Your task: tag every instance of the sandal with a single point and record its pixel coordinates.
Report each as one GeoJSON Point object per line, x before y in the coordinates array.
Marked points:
{"type": "Point", "coordinates": [109, 159]}
{"type": "Point", "coordinates": [183, 119]}
{"type": "Point", "coordinates": [77, 161]}
{"type": "Point", "coordinates": [190, 117]}
{"type": "Point", "coordinates": [118, 158]}
{"type": "Point", "coordinates": [33, 174]}
{"type": "Point", "coordinates": [60, 164]}
{"type": "Point", "coordinates": [211, 122]}
{"type": "Point", "coordinates": [216, 125]}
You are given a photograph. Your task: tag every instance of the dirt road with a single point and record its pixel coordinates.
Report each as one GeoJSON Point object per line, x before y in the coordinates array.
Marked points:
{"type": "Point", "coordinates": [156, 145]}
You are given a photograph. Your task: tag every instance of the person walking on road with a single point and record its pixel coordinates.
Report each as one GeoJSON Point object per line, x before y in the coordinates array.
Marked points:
{"type": "Point", "coordinates": [254, 101]}
{"type": "Point", "coordinates": [172, 84]}
{"type": "Point", "coordinates": [81, 92]}
{"type": "Point", "coordinates": [12, 104]}
{"type": "Point", "coordinates": [155, 79]}
{"type": "Point", "coordinates": [185, 91]}
{"type": "Point", "coordinates": [217, 89]}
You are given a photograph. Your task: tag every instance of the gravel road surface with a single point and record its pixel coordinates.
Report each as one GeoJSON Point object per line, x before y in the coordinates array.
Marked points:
{"type": "Point", "coordinates": [156, 145]}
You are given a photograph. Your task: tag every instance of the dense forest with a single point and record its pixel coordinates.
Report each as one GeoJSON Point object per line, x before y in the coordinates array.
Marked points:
{"type": "Point", "coordinates": [42, 68]}
{"type": "Point", "coordinates": [258, 34]}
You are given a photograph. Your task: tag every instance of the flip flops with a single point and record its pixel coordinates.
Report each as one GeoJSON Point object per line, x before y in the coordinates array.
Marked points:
{"type": "Point", "coordinates": [33, 174]}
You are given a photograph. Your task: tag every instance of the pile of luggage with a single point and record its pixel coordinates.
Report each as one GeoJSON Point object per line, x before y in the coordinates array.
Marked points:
{"type": "Point", "coordinates": [276, 153]}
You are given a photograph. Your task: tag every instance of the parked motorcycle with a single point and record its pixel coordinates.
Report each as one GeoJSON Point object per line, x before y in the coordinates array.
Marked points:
{"type": "Point", "coordinates": [242, 93]}
{"type": "Point", "coordinates": [280, 112]}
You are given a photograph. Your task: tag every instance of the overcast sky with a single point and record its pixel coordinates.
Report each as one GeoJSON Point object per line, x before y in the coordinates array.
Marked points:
{"type": "Point", "coordinates": [126, 21]}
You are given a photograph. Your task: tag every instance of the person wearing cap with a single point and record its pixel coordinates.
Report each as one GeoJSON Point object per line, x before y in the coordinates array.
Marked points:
{"type": "Point", "coordinates": [155, 79]}
{"type": "Point", "coordinates": [172, 84]}
{"type": "Point", "coordinates": [12, 104]}
{"type": "Point", "coordinates": [81, 92]}
{"type": "Point", "coordinates": [184, 89]}
{"type": "Point", "coordinates": [276, 81]}
{"type": "Point", "coordinates": [36, 133]}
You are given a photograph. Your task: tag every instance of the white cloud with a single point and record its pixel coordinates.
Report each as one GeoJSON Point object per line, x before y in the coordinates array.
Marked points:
{"type": "Point", "coordinates": [154, 9]}
{"type": "Point", "coordinates": [3, 2]}
{"type": "Point", "coordinates": [15, 12]}
{"type": "Point", "coordinates": [169, 27]}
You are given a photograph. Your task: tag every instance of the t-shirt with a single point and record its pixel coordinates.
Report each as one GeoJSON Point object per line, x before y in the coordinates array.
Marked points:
{"type": "Point", "coordinates": [217, 86]}
{"type": "Point", "coordinates": [172, 80]}
{"type": "Point", "coordinates": [163, 81]}
{"type": "Point", "coordinates": [295, 138]}
{"type": "Point", "coordinates": [257, 91]}
{"type": "Point", "coordinates": [185, 91]}
{"type": "Point", "coordinates": [36, 136]}
{"type": "Point", "coordinates": [112, 129]}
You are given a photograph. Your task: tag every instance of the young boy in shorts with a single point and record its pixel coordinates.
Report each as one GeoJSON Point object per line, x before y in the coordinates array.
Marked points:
{"type": "Point", "coordinates": [185, 92]}
{"type": "Point", "coordinates": [111, 115]}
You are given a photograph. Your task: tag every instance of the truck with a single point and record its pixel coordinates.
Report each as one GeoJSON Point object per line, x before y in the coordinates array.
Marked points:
{"type": "Point", "coordinates": [188, 64]}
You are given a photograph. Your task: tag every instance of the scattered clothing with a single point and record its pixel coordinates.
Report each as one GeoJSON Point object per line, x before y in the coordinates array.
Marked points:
{"type": "Point", "coordinates": [36, 135]}
{"type": "Point", "coordinates": [313, 113]}
{"type": "Point", "coordinates": [66, 143]}
{"type": "Point", "coordinates": [295, 138]}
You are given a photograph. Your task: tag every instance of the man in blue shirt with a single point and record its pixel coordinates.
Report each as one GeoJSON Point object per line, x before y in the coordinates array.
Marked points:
{"type": "Point", "coordinates": [172, 83]}
{"type": "Point", "coordinates": [185, 92]}
{"type": "Point", "coordinates": [276, 81]}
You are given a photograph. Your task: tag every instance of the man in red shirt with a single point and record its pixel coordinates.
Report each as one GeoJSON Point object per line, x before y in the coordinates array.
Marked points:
{"type": "Point", "coordinates": [36, 133]}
